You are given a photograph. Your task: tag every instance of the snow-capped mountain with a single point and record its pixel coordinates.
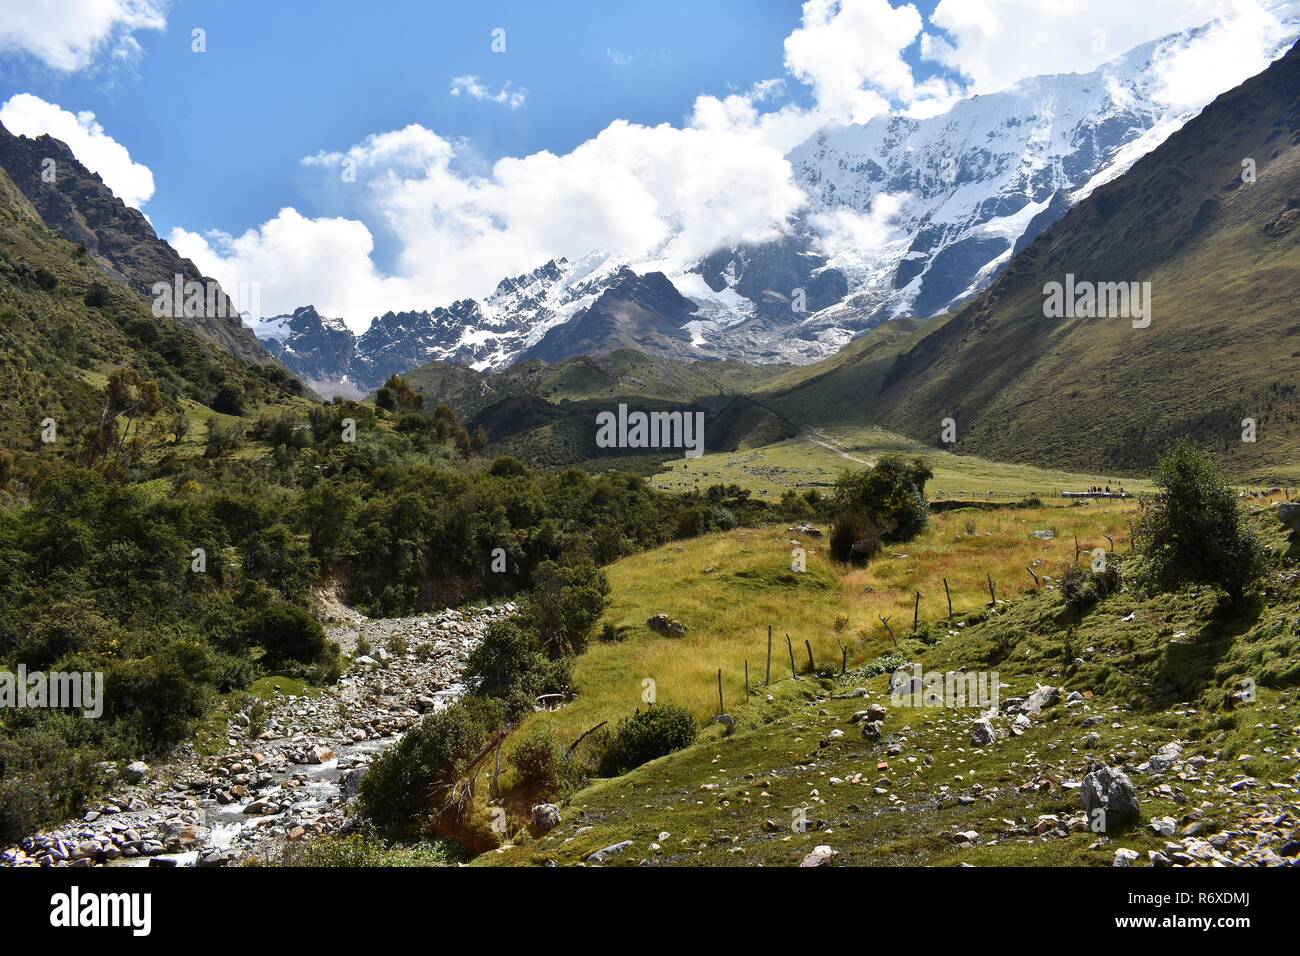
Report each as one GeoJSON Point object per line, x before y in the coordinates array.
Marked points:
{"type": "Point", "coordinates": [905, 217]}
{"type": "Point", "coordinates": [485, 335]}
{"type": "Point", "coordinates": [944, 202]}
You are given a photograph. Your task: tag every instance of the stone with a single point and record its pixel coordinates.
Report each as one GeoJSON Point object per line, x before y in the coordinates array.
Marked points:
{"type": "Point", "coordinates": [1042, 697]}
{"type": "Point", "coordinates": [663, 624]}
{"type": "Point", "coordinates": [1125, 857]}
{"type": "Point", "coordinates": [318, 755]}
{"type": "Point", "coordinates": [820, 856]}
{"type": "Point", "coordinates": [136, 772]}
{"type": "Point", "coordinates": [606, 852]}
{"type": "Point", "coordinates": [1165, 758]}
{"type": "Point", "coordinates": [1110, 792]}
{"type": "Point", "coordinates": [981, 734]}
{"type": "Point", "coordinates": [872, 730]}
{"type": "Point", "coordinates": [1289, 514]}
{"type": "Point", "coordinates": [545, 817]}
{"type": "Point", "coordinates": [1164, 826]}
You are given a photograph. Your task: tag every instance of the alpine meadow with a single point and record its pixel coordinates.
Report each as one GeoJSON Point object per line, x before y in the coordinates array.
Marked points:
{"type": "Point", "coordinates": [827, 434]}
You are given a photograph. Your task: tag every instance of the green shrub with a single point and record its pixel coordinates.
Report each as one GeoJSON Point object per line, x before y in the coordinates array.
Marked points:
{"type": "Point", "coordinates": [658, 730]}
{"type": "Point", "coordinates": [891, 495]}
{"type": "Point", "coordinates": [1193, 531]}
{"type": "Point", "coordinates": [854, 539]}
{"type": "Point", "coordinates": [513, 666]}
{"type": "Point", "coordinates": [408, 788]}
{"type": "Point", "coordinates": [539, 766]}
{"type": "Point", "coordinates": [287, 633]}
{"type": "Point", "coordinates": [564, 603]}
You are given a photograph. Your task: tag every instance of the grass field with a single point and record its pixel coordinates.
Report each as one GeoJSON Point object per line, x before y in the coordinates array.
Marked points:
{"type": "Point", "coordinates": [817, 458]}
{"type": "Point", "coordinates": [1153, 669]}
{"type": "Point", "coordinates": [727, 588]}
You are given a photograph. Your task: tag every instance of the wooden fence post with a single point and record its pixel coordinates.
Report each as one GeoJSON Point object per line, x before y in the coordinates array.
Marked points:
{"type": "Point", "coordinates": [993, 597]}
{"type": "Point", "coordinates": [746, 681]}
{"type": "Point", "coordinates": [812, 665]}
{"type": "Point", "coordinates": [916, 612]}
{"type": "Point", "coordinates": [794, 675]}
{"type": "Point", "coordinates": [885, 621]}
{"type": "Point", "coordinates": [721, 709]}
{"type": "Point", "coordinates": [844, 656]}
{"type": "Point", "coordinates": [1032, 575]}
{"type": "Point", "coordinates": [768, 682]}
{"type": "Point", "coordinates": [949, 593]}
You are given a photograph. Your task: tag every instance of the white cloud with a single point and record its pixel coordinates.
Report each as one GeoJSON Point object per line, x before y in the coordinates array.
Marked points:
{"type": "Point", "coordinates": [658, 194]}
{"type": "Point", "coordinates": [1223, 56]}
{"type": "Point", "coordinates": [68, 34]}
{"type": "Point", "coordinates": [27, 115]}
{"type": "Point", "coordinates": [996, 43]}
{"type": "Point", "coordinates": [664, 196]}
{"type": "Point", "coordinates": [850, 53]}
{"type": "Point", "coordinates": [470, 86]}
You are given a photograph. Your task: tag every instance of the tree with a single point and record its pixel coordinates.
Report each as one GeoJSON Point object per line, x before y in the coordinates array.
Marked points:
{"type": "Point", "coordinates": [564, 603]}
{"type": "Point", "coordinates": [128, 396]}
{"type": "Point", "coordinates": [1193, 531]}
{"type": "Point", "coordinates": [884, 503]}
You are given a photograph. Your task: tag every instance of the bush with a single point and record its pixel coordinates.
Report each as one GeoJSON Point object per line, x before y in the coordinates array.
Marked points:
{"type": "Point", "coordinates": [564, 603]}
{"type": "Point", "coordinates": [1081, 587]}
{"type": "Point", "coordinates": [539, 766]}
{"type": "Point", "coordinates": [287, 633]}
{"type": "Point", "coordinates": [891, 495]}
{"type": "Point", "coordinates": [229, 400]}
{"type": "Point", "coordinates": [855, 539]}
{"type": "Point", "coordinates": [1192, 531]}
{"type": "Point", "coordinates": [96, 296]}
{"type": "Point", "coordinates": [513, 666]}
{"type": "Point", "coordinates": [646, 735]}
{"type": "Point", "coordinates": [407, 789]}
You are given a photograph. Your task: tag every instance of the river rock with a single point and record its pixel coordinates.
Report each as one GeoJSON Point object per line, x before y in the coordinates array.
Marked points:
{"type": "Point", "coordinates": [981, 734]}
{"type": "Point", "coordinates": [136, 771]}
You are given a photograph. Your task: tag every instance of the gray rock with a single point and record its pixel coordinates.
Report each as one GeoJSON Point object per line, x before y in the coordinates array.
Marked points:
{"type": "Point", "coordinates": [1111, 792]}
{"type": "Point", "coordinates": [1043, 697]}
{"type": "Point", "coordinates": [136, 772]}
{"type": "Point", "coordinates": [1289, 513]}
{"type": "Point", "coordinates": [605, 853]}
{"type": "Point", "coordinates": [981, 734]}
{"type": "Point", "coordinates": [546, 817]}
{"type": "Point", "coordinates": [820, 856]}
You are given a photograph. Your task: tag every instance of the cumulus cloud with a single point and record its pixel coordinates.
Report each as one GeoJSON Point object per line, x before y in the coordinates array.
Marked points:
{"type": "Point", "coordinates": [661, 195]}
{"type": "Point", "coordinates": [68, 34]}
{"type": "Point", "coordinates": [27, 115]}
{"type": "Point", "coordinates": [665, 196]}
{"type": "Point", "coordinates": [993, 44]}
{"type": "Point", "coordinates": [469, 86]}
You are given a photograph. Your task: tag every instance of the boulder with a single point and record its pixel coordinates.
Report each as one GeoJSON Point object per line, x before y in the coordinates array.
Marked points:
{"type": "Point", "coordinates": [981, 734]}
{"type": "Point", "coordinates": [820, 856]}
{"type": "Point", "coordinates": [1125, 857]}
{"type": "Point", "coordinates": [1289, 514]}
{"type": "Point", "coordinates": [663, 624]}
{"type": "Point", "coordinates": [136, 771]}
{"type": "Point", "coordinates": [1043, 697]}
{"type": "Point", "coordinates": [1111, 792]}
{"type": "Point", "coordinates": [546, 817]}
{"type": "Point", "coordinates": [872, 730]}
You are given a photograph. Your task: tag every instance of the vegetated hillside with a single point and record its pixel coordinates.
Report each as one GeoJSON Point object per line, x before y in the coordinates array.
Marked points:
{"type": "Point", "coordinates": [546, 414]}
{"type": "Point", "coordinates": [557, 434]}
{"type": "Point", "coordinates": [846, 387]}
{"type": "Point", "coordinates": [56, 349]}
{"type": "Point", "coordinates": [623, 372]}
{"type": "Point", "coordinates": [1135, 674]}
{"type": "Point", "coordinates": [1223, 259]}
{"type": "Point", "coordinates": [78, 206]}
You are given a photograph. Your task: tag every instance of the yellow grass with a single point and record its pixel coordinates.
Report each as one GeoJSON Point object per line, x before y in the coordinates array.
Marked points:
{"type": "Point", "coordinates": [728, 587]}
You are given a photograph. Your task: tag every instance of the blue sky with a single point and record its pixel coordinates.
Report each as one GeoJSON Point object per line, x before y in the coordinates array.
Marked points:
{"type": "Point", "coordinates": [224, 131]}
{"type": "Point", "coordinates": [658, 131]}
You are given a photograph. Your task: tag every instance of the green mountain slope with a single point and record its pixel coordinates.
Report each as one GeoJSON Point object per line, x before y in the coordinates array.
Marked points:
{"type": "Point", "coordinates": [1222, 256]}
{"type": "Point", "coordinates": [56, 350]}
